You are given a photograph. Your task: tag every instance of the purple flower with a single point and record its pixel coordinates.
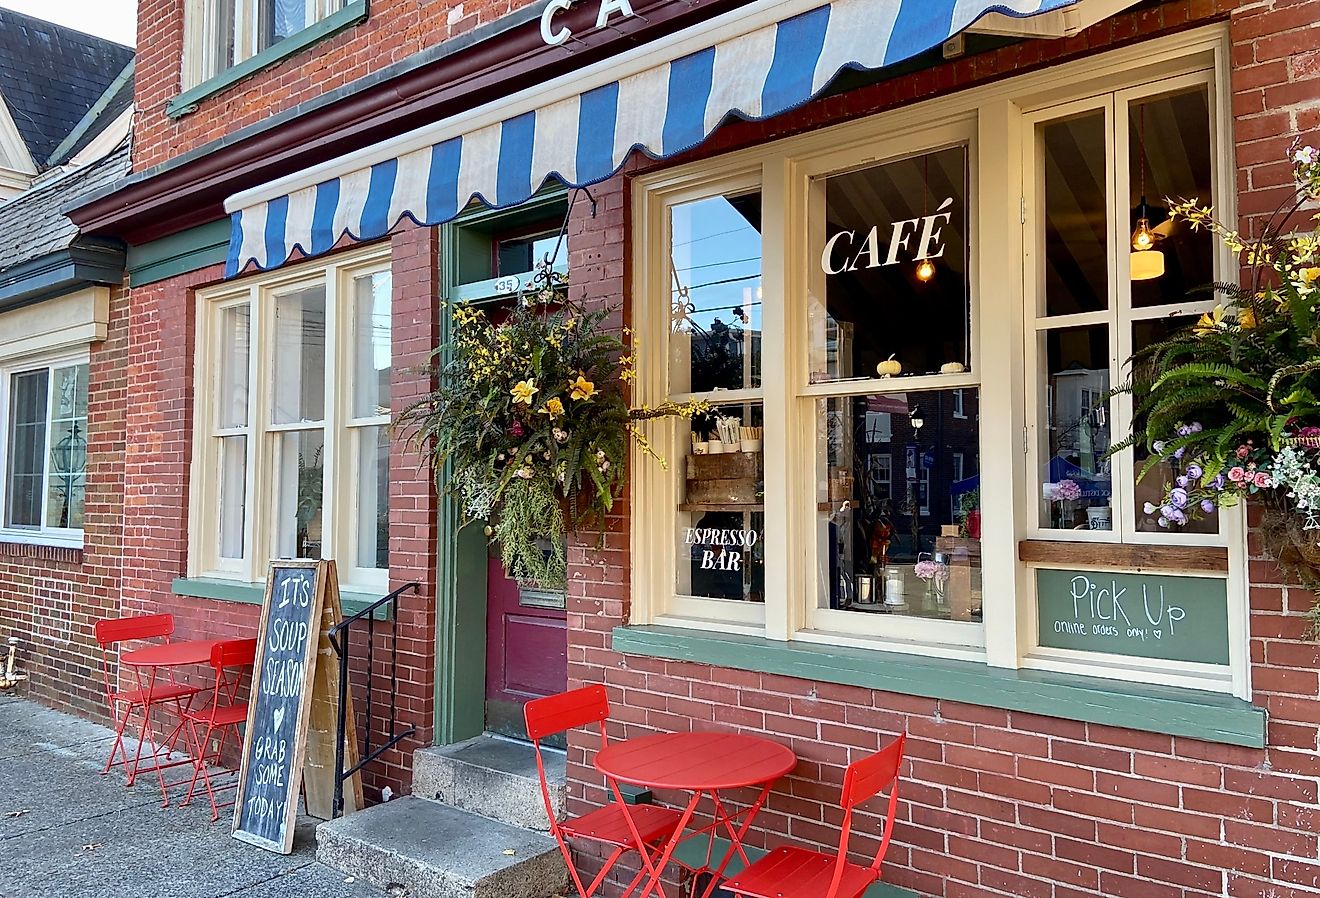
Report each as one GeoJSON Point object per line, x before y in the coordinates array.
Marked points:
{"type": "Point", "coordinates": [1184, 430]}
{"type": "Point", "coordinates": [1195, 427]}
{"type": "Point", "coordinates": [1207, 506]}
{"type": "Point", "coordinates": [1178, 453]}
{"type": "Point", "coordinates": [1181, 480]}
{"type": "Point", "coordinates": [1167, 511]}
{"type": "Point", "coordinates": [1178, 517]}
{"type": "Point", "coordinates": [1218, 482]}
{"type": "Point", "coordinates": [516, 429]}
{"type": "Point", "coordinates": [1148, 508]}
{"type": "Point", "coordinates": [1158, 446]}
{"type": "Point", "coordinates": [1163, 522]}
{"type": "Point", "coordinates": [1178, 496]}
{"type": "Point", "coordinates": [1194, 471]}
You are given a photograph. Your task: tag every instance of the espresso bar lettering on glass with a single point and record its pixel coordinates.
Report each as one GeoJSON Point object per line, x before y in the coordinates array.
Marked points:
{"type": "Point", "coordinates": [279, 706]}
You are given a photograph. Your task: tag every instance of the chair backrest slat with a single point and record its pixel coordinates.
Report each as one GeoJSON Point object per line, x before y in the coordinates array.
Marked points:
{"type": "Point", "coordinates": [125, 629]}
{"type": "Point", "coordinates": [233, 653]}
{"type": "Point", "coordinates": [566, 711]}
{"type": "Point", "coordinates": [872, 775]}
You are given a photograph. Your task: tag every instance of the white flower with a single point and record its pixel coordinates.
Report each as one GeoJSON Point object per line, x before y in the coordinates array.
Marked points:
{"type": "Point", "coordinates": [1304, 155]}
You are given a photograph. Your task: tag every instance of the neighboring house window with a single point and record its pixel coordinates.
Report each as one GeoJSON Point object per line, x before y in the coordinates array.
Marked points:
{"type": "Point", "coordinates": [292, 444]}
{"type": "Point", "coordinates": [857, 295]}
{"type": "Point", "coordinates": [43, 449]}
{"type": "Point", "coordinates": [223, 33]}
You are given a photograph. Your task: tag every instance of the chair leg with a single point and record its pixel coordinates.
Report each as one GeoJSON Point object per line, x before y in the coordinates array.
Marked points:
{"type": "Point", "coordinates": [199, 760]}
{"type": "Point", "coordinates": [120, 721]}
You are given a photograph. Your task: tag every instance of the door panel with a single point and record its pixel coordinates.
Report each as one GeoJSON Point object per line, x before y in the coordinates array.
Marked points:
{"type": "Point", "coordinates": [526, 649]}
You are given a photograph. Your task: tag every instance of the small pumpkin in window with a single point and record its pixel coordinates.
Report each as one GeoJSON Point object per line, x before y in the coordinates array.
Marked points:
{"type": "Point", "coordinates": [890, 367]}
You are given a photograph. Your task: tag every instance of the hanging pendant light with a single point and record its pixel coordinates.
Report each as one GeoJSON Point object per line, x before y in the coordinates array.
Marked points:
{"type": "Point", "coordinates": [925, 267]}
{"type": "Point", "coordinates": [1146, 262]}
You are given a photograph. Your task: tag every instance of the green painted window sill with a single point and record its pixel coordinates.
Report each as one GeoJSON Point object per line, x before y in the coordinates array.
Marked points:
{"type": "Point", "coordinates": [186, 102]}
{"type": "Point", "coordinates": [1206, 716]}
{"type": "Point", "coordinates": [255, 593]}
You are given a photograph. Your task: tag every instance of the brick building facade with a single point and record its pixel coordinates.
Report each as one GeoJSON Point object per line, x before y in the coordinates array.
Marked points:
{"type": "Point", "coordinates": [999, 799]}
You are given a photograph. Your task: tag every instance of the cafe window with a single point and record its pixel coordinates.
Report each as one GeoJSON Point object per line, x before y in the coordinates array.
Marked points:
{"type": "Point", "coordinates": [43, 450]}
{"type": "Point", "coordinates": [1102, 290]}
{"type": "Point", "coordinates": [873, 373]}
{"type": "Point", "coordinates": [223, 33]}
{"type": "Point", "coordinates": [291, 456]}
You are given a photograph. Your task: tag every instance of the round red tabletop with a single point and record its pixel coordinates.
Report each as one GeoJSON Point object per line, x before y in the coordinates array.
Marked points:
{"type": "Point", "coordinates": [696, 761]}
{"type": "Point", "coordinates": [173, 654]}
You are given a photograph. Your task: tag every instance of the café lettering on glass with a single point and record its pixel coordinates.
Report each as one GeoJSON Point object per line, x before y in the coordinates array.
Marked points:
{"type": "Point", "coordinates": [844, 252]}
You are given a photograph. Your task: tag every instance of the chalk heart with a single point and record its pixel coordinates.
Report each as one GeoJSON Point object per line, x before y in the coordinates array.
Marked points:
{"type": "Point", "coordinates": [279, 717]}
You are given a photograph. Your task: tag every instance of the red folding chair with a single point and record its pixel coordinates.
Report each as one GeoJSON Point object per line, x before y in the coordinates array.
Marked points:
{"type": "Point", "coordinates": [220, 716]}
{"type": "Point", "coordinates": [607, 825]}
{"type": "Point", "coordinates": [801, 873]}
{"type": "Point", "coordinates": [124, 702]}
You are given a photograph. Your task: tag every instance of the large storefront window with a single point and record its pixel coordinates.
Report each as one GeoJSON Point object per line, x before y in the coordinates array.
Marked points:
{"type": "Point", "coordinates": [293, 457]}
{"type": "Point", "coordinates": [910, 330]}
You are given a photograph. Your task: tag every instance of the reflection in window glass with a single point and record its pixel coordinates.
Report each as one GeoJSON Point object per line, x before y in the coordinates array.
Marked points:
{"type": "Point", "coordinates": [1076, 487]}
{"type": "Point", "coordinates": [66, 490]}
{"type": "Point", "coordinates": [898, 519]}
{"type": "Point", "coordinates": [518, 255]}
{"type": "Point", "coordinates": [1075, 259]}
{"type": "Point", "coordinates": [891, 259]}
{"type": "Point", "coordinates": [1153, 486]}
{"type": "Point", "coordinates": [300, 361]}
{"type": "Point", "coordinates": [1169, 145]}
{"type": "Point", "coordinates": [715, 294]}
{"type": "Point", "coordinates": [373, 488]}
{"type": "Point", "coordinates": [300, 472]}
{"type": "Point", "coordinates": [721, 521]}
{"type": "Point", "coordinates": [233, 495]}
{"type": "Point", "coordinates": [371, 345]}
{"type": "Point", "coordinates": [235, 334]}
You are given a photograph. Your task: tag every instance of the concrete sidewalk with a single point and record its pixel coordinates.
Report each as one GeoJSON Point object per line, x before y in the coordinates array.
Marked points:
{"type": "Point", "coordinates": [67, 831]}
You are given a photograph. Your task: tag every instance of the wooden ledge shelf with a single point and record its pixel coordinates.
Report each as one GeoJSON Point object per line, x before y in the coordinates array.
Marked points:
{"type": "Point", "coordinates": [1125, 557]}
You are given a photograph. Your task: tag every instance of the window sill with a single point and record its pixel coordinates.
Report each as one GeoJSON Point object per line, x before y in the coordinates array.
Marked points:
{"type": "Point", "coordinates": [187, 102]}
{"type": "Point", "coordinates": [255, 593]}
{"type": "Point", "coordinates": [1206, 716]}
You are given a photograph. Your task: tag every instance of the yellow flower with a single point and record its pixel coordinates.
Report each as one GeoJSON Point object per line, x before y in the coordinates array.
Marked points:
{"type": "Point", "coordinates": [582, 388]}
{"type": "Point", "coordinates": [1310, 275]}
{"type": "Point", "coordinates": [554, 408]}
{"type": "Point", "coordinates": [1210, 320]}
{"type": "Point", "coordinates": [1246, 318]}
{"type": "Point", "coordinates": [523, 391]}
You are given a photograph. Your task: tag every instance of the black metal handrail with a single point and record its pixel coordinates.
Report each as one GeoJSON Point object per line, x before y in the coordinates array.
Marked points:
{"type": "Point", "coordinates": [341, 631]}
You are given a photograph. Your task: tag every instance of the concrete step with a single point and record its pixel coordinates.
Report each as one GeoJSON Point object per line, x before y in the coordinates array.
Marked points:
{"type": "Point", "coordinates": [422, 849]}
{"type": "Point", "coordinates": [493, 777]}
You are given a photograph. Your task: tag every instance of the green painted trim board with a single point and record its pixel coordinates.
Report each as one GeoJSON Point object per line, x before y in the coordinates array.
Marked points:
{"type": "Point", "coordinates": [1208, 716]}
{"type": "Point", "coordinates": [255, 594]}
{"type": "Point", "coordinates": [347, 17]}
{"type": "Point", "coordinates": [692, 853]}
{"type": "Point", "coordinates": [180, 253]}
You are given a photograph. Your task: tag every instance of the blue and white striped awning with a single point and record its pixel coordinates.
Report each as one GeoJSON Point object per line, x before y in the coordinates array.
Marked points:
{"type": "Point", "coordinates": [665, 97]}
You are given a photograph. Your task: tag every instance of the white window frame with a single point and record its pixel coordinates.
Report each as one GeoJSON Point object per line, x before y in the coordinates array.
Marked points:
{"type": "Point", "coordinates": [201, 35]}
{"type": "Point", "coordinates": [341, 429]}
{"type": "Point", "coordinates": [49, 362]}
{"type": "Point", "coordinates": [998, 116]}
{"type": "Point", "coordinates": [958, 408]}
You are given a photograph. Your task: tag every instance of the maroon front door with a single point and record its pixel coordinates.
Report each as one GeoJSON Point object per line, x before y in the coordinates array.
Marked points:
{"type": "Point", "coordinates": [526, 649]}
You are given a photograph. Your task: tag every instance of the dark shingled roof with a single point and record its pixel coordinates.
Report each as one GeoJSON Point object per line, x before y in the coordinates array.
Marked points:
{"type": "Point", "coordinates": [50, 76]}
{"type": "Point", "coordinates": [32, 222]}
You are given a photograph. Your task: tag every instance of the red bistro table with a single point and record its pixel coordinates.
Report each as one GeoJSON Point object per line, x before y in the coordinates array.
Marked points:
{"type": "Point", "coordinates": [703, 764]}
{"type": "Point", "coordinates": [146, 662]}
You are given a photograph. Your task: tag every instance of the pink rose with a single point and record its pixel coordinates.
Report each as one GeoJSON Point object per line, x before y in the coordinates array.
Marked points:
{"type": "Point", "coordinates": [1242, 451]}
{"type": "Point", "coordinates": [1237, 475]}
{"type": "Point", "coordinates": [1262, 480]}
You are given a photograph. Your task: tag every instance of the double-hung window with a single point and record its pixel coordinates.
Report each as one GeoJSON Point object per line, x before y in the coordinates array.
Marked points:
{"type": "Point", "coordinates": [43, 450]}
{"type": "Point", "coordinates": [291, 454]}
{"type": "Point", "coordinates": [909, 329]}
{"type": "Point", "coordinates": [223, 33]}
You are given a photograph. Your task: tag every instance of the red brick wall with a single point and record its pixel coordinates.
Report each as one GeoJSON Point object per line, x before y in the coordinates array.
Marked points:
{"type": "Point", "coordinates": [1004, 803]}
{"type": "Point", "coordinates": [50, 598]}
{"type": "Point", "coordinates": [395, 29]}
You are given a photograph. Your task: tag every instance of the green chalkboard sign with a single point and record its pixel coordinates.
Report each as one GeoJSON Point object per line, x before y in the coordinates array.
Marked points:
{"type": "Point", "coordinates": [1144, 615]}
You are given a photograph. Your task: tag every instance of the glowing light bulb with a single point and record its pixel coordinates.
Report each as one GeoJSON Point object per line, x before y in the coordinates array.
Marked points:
{"type": "Point", "coordinates": [1143, 238]}
{"type": "Point", "coordinates": [925, 270]}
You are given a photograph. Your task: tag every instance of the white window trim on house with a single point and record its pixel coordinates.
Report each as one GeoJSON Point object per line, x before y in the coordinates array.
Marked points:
{"type": "Point", "coordinates": [341, 429]}
{"type": "Point", "coordinates": [998, 119]}
{"type": "Point", "coordinates": [201, 35]}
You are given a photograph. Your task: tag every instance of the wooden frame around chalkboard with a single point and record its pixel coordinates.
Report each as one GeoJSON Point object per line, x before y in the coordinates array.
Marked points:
{"type": "Point", "coordinates": [304, 707]}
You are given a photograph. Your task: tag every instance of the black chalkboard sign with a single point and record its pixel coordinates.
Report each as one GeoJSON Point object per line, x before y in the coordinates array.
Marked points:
{"type": "Point", "coordinates": [280, 704]}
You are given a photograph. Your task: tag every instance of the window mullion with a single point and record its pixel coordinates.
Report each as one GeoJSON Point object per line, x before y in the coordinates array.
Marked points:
{"type": "Point", "coordinates": [333, 478]}
{"type": "Point", "coordinates": [784, 596]}
{"type": "Point", "coordinates": [1121, 472]}
{"type": "Point", "coordinates": [257, 548]}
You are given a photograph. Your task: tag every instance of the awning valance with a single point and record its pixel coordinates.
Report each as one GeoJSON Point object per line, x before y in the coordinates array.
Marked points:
{"type": "Point", "coordinates": [665, 97]}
